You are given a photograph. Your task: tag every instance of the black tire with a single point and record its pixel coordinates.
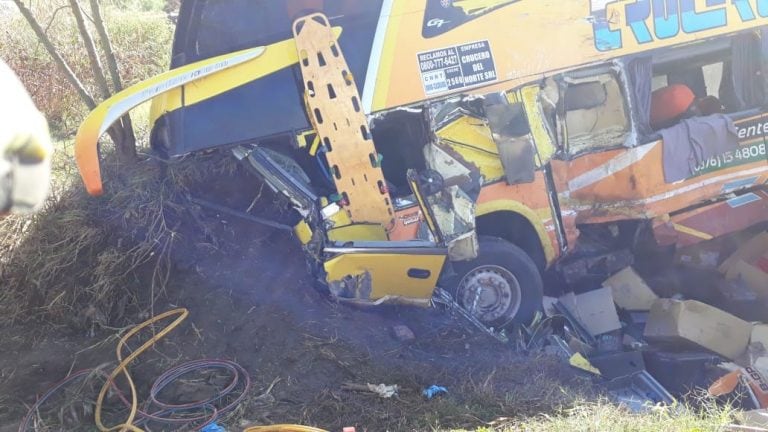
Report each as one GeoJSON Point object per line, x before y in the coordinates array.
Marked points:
{"type": "Point", "coordinates": [501, 305]}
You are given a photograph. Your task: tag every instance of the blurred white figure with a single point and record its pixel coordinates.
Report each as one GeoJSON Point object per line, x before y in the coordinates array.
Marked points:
{"type": "Point", "coordinates": [25, 148]}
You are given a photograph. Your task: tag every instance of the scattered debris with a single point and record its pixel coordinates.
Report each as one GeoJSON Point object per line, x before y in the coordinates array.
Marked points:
{"type": "Point", "coordinates": [187, 414]}
{"type": "Point", "coordinates": [736, 291]}
{"type": "Point", "coordinates": [433, 391]}
{"type": "Point", "coordinates": [648, 347]}
{"type": "Point", "coordinates": [749, 265]}
{"type": "Point", "coordinates": [702, 256]}
{"type": "Point", "coordinates": [578, 329]}
{"type": "Point", "coordinates": [595, 310]}
{"type": "Point", "coordinates": [580, 362]}
{"type": "Point", "coordinates": [639, 392]}
{"type": "Point", "coordinates": [382, 390]}
{"type": "Point", "coordinates": [213, 427]}
{"type": "Point", "coordinates": [759, 335]}
{"type": "Point", "coordinates": [682, 372]}
{"type": "Point", "coordinates": [695, 324]}
{"type": "Point", "coordinates": [618, 364]}
{"type": "Point", "coordinates": [444, 297]}
{"type": "Point", "coordinates": [740, 381]}
{"type": "Point", "coordinates": [605, 264]}
{"type": "Point", "coordinates": [403, 333]}
{"type": "Point", "coordinates": [630, 291]}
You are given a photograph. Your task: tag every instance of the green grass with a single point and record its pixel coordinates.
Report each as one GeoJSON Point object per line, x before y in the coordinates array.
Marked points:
{"type": "Point", "coordinates": [604, 416]}
{"type": "Point", "coordinates": [140, 5]}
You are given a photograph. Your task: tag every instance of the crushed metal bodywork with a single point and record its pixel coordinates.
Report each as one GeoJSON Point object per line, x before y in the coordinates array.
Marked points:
{"type": "Point", "coordinates": [426, 154]}
{"type": "Point", "coordinates": [407, 149]}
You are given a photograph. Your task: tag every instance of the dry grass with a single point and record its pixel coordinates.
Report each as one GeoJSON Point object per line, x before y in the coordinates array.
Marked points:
{"type": "Point", "coordinates": [83, 261]}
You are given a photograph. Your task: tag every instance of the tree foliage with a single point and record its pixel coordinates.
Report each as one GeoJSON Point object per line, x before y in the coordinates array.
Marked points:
{"type": "Point", "coordinates": [96, 43]}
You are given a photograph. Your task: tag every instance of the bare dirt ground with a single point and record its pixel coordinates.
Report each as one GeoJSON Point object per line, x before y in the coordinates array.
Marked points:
{"type": "Point", "coordinates": [252, 301]}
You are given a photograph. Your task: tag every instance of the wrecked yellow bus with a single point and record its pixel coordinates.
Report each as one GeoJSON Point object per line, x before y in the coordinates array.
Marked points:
{"type": "Point", "coordinates": [473, 144]}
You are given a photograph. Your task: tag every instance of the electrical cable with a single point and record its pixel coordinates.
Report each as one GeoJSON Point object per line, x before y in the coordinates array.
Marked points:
{"type": "Point", "coordinates": [56, 387]}
{"type": "Point", "coordinates": [239, 378]}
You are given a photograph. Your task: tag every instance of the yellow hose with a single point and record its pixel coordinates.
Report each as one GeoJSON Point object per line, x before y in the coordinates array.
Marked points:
{"type": "Point", "coordinates": [283, 428]}
{"type": "Point", "coordinates": [123, 368]}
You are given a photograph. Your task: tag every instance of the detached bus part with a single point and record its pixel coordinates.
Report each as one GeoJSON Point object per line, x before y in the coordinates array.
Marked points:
{"type": "Point", "coordinates": [473, 144]}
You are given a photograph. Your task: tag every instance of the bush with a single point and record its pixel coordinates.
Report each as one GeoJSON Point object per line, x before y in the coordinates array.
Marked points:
{"type": "Point", "coordinates": [141, 41]}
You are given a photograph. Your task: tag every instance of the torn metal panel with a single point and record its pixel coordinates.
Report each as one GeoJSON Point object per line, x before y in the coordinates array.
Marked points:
{"type": "Point", "coordinates": [447, 165]}
{"type": "Point", "coordinates": [444, 297]}
{"type": "Point", "coordinates": [373, 118]}
{"type": "Point", "coordinates": [629, 183]}
{"type": "Point", "coordinates": [454, 213]}
{"type": "Point", "coordinates": [705, 223]}
{"type": "Point", "coordinates": [280, 179]}
{"type": "Point", "coordinates": [639, 392]}
{"type": "Point", "coordinates": [373, 270]}
{"type": "Point", "coordinates": [454, 205]}
{"type": "Point", "coordinates": [357, 286]}
{"type": "Point", "coordinates": [511, 131]}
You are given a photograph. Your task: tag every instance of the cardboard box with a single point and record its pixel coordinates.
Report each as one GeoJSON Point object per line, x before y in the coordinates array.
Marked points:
{"type": "Point", "coordinates": [760, 334]}
{"type": "Point", "coordinates": [630, 291]}
{"type": "Point", "coordinates": [751, 250]}
{"type": "Point", "coordinates": [678, 324]}
{"type": "Point", "coordinates": [751, 276]}
{"type": "Point", "coordinates": [595, 310]}
{"type": "Point", "coordinates": [747, 265]}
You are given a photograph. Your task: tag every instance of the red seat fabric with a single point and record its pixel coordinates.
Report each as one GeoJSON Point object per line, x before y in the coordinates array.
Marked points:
{"type": "Point", "coordinates": [669, 103]}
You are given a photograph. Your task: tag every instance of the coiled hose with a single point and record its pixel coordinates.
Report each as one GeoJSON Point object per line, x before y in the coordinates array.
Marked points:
{"type": "Point", "coordinates": [136, 417]}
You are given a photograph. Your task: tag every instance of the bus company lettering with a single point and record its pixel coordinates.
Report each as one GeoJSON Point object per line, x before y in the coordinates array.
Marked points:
{"type": "Point", "coordinates": [651, 20]}
{"type": "Point", "coordinates": [752, 129]}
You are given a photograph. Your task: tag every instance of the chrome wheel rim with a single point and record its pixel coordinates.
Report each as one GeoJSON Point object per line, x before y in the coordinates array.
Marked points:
{"type": "Point", "coordinates": [489, 293]}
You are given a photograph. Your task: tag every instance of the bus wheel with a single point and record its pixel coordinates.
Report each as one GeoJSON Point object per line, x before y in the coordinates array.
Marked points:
{"type": "Point", "coordinates": [501, 286]}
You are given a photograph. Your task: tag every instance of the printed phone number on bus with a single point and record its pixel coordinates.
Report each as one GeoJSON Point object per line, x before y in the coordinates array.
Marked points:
{"type": "Point", "coordinates": [742, 155]}
{"type": "Point", "coordinates": [439, 63]}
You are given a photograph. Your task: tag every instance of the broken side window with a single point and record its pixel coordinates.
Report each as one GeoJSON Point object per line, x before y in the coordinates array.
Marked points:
{"type": "Point", "coordinates": [400, 136]}
{"type": "Point", "coordinates": [689, 80]}
{"type": "Point", "coordinates": [549, 97]}
{"type": "Point", "coordinates": [512, 134]}
{"type": "Point", "coordinates": [592, 113]}
{"type": "Point", "coordinates": [718, 76]}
